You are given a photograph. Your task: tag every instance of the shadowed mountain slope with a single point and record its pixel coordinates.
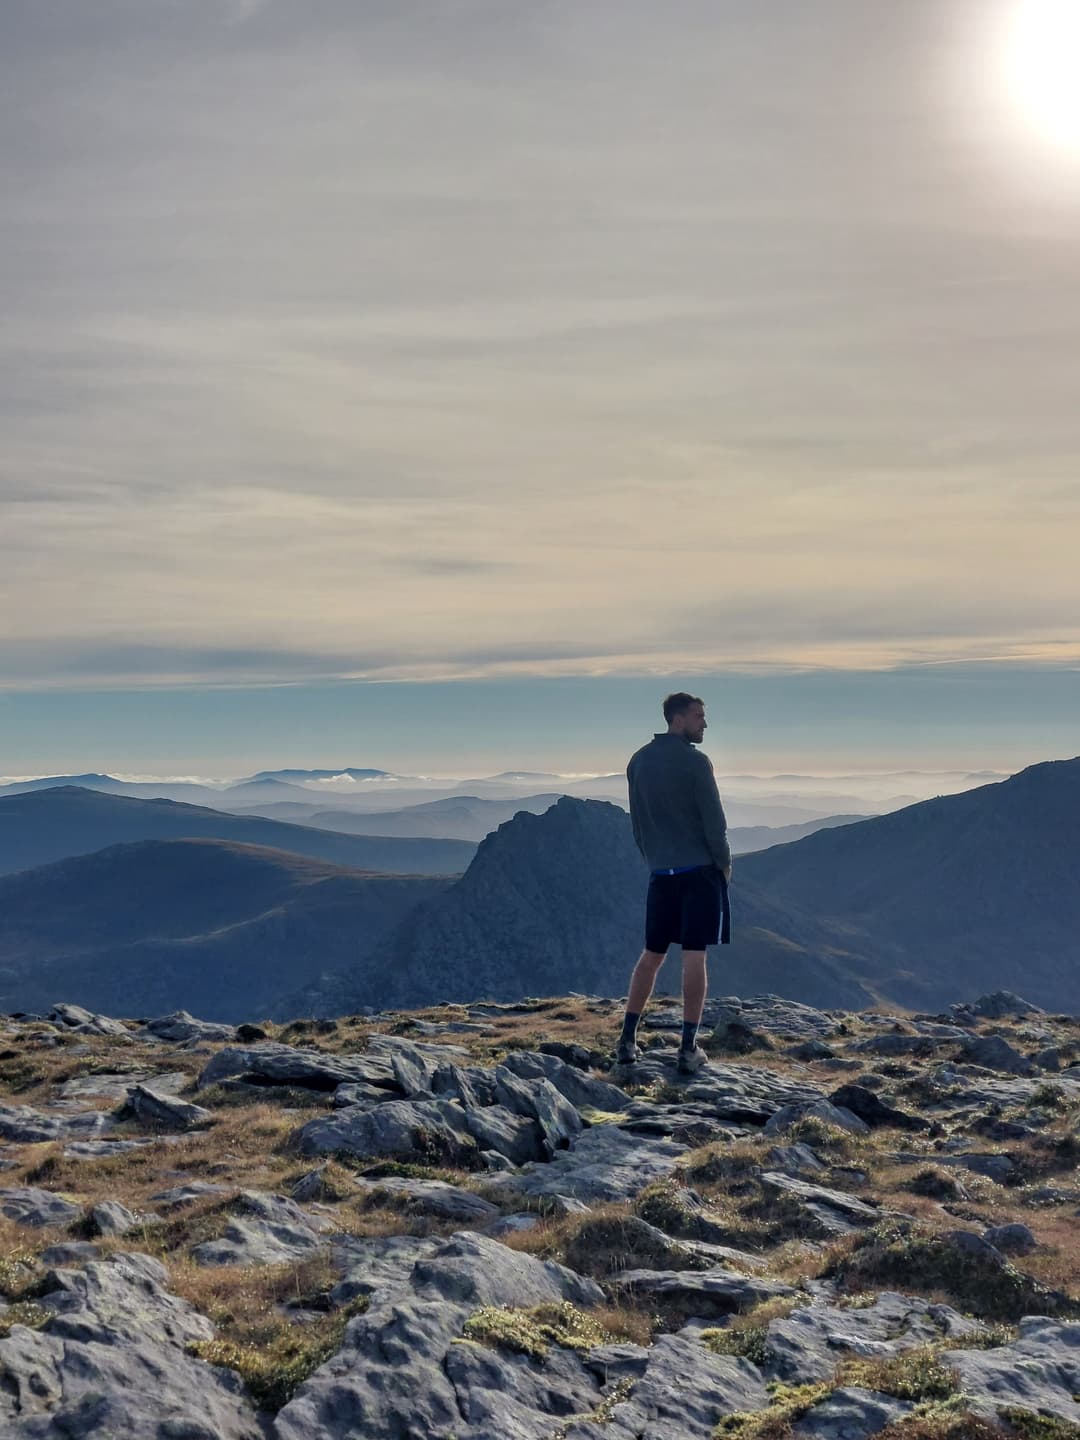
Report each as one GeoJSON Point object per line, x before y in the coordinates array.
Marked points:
{"type": "Point", "coordinates": [163, 925]}
{"type": "Point", "coordinates": [981, 887]}
{"type": "Point", "coordinates": [39, 827]}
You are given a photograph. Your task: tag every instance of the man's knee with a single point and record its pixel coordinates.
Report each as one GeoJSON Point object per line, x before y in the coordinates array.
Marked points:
{"type": "Point", "coordinates": [652, 959]}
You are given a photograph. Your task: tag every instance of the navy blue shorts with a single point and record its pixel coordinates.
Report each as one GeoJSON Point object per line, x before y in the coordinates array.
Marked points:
{"type": "Point", "coordinates": [684, 910]}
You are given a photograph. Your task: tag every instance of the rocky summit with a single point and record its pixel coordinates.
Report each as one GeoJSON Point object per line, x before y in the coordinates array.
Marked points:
{"type": "Point", "coordinates": [464, 1223]}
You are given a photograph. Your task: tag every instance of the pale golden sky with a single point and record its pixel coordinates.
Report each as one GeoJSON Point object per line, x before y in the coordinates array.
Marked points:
{"type": "Point", "coordinates": [417, 340]}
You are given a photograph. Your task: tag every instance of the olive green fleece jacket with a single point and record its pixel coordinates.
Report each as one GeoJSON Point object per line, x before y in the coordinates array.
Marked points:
{"type": "Point", "coordinates": [675, 806]}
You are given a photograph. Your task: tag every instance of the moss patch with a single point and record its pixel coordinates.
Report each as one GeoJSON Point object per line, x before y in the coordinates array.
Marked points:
{"type": "Point", "coordinates": [25, 1312]}
{"type": "Point", "coordinates": [533, 1332]}
{"type": "Point", "coordinates": [789, 1404]}
{"type": "Point", "coordinates": [288, 1354]}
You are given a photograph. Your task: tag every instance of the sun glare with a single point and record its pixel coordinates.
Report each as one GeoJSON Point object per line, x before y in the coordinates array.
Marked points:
{"type": "Point", "coordinates": [1042, 66]}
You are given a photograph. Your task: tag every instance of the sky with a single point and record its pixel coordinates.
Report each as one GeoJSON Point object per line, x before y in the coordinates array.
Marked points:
{"type": "Point", "coordinates": [440, 382]}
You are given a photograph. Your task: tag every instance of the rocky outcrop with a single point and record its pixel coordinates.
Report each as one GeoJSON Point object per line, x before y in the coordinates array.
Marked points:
{"type": "Point", "coordinates": [113, 1361]}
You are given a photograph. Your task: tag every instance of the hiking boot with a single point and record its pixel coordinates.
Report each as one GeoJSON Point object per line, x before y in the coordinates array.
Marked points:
{"type": "Point", "coordinates": [690, 1061]}
{"type": "Point", "coordinates": [626, 1052]}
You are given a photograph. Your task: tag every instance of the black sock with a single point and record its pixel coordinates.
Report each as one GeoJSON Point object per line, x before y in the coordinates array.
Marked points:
{"type": "Point", "coordinates": [689, 1034]}
{"type": "Point", "coordinates": [629, 1026]}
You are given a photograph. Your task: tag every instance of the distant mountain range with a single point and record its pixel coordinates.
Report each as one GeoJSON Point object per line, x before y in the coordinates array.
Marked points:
{"type": "Point", "coordinates": [38, 827]}
{"type": "Point", "coordinates": [964, 893]}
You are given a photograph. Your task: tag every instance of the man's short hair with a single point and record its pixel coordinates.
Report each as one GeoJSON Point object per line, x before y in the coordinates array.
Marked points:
{"type": "Point", "coordinates": [679, 703]}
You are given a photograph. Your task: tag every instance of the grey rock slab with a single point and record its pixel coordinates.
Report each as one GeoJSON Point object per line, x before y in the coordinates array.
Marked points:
{"type": "Point", "coordinates": [683, 1391]}
{"type": "Point", "coordinates": [806, 1345]}
{"type": "Point", "coordinates": [432, 1197]}
{"type": "Point", "coordinates": [375, 1264]}
{"type": "Point", "coordinates": [604, 1165]}
{"type": "Point", "coordinates": [516, 1138]}
{"type": "Point", "coordinates": [161, 1111]}
{"type": "Point", "coordinates": [399, 1372]}
{"type": "Point", "coordinates": [850, 1413]}
{"type": "Point", "coordinates": [70, 1252]}
{"type": "Point", "coordinates": [178, 1195]}
{"type": "Point", "coordinates": [1039, 1371]}
{"type": "Point", "coordinates": [411, 1130]}
{"type": "Point", "coordinates": [75, 1017]}
{"type": "Point", "coordinates": [837, 1212]}
{"type": "Point", "coordinates": [471, 1084]}
{"type": "Point", "coordinates": [265, 1230]}
{"type": "Point", "coordinates": [538, 1100]}
{"type": "Point", "coordinates": [180, 1027]}
{"type": "Point", "coordinates": [23, 1125]}
{"type": "Point", "coordinates": [109, 1217]}
{"type": "Point", "coordinates": [115, 1086]}
{"type": "Point", "coordinates": [113, 1362]}
{"type": "Point", "coordinates": [794, 1160]}
{"type": "Point", "coordinates": [994, 1052]}
{"type": "Point", "coordinates": [704, 1293]}
{"type": "Point", "coordinates": [1011, 1239]}
{"type": "Point", "coordinates": [582, 1091]}
{"type": "Point", "coordinates": [772, 1014]}
{"type": "Point", "coordinates": [97, 1149]}
{"type": "Point", "coordinates": [270, 1063]}
{"type": "Point", "coordinates": [823, 1110]}
{"type": "Point", "coordinates": [747, 1093]}
{"type": "Point", "coordinates": [28, 1205]}
{"type": "Point", "coordinates": [1003, 1003]}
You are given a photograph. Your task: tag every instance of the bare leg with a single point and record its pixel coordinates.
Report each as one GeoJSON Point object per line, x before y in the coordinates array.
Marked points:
{"type": "Point", "coordinates": [694, 985]}
{"type": "Point", "coordinates": [642, 981]}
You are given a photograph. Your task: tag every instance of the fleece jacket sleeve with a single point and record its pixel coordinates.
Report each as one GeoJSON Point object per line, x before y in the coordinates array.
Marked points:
{"type": "Point", "coordinates": [635, 820]}
{"type": "Point", "coordinates": [712, 813]}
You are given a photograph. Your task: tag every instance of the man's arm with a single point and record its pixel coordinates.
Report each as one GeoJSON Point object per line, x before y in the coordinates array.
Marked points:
{"type": "Point", "coordinates": [712, 814]}
{"type": "Point", "coordinates": [635, 823]}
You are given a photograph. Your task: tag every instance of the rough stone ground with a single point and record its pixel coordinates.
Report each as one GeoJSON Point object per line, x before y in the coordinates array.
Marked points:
{"type": "Point", "coordinates": [464, 1223]}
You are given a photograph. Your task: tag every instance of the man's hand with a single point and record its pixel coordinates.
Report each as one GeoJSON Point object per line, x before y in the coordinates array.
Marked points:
{"type": "Point", "coordinates": [726, 872]}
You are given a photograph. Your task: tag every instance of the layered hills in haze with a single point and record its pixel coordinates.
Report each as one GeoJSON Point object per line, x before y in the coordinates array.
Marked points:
{"type": "Point", "coordinates": [37, 827]}
{"type": "Point", "coordinates": [963, 893]}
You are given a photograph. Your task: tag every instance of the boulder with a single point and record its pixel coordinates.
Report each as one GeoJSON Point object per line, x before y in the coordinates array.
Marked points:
{"type": "Point", "coordinates": [1003, 1004]}
{"type": "Point", "coordinates": [582, 1091]}
{"type": "Point", "coordinates": [703, 1293]}
{"type": "Point", "coordinates": [27, 1205]}
{"type": "Point", "coordinates": [1011, 1239]}
{"type": "Point", "coordinates": [993, 1052]}
{"type": "Point", "coordinates": [850, 1413]}
{"type": "Point", "coordinates": [421, 1131]}
{"type": "Point", "coordinates": [265, 1230]}
{"type": "Point", "coordinates": [823, 1110]}
{"type": "Point", "coordinates": [604, 1165]}
{"type": "Point", "coordinates": [275, 1064]}
{"type": "Point", "coordinates": [871, 1108]}
{"type": "Point", "coordinates": [180, 1027]}
{"type": "Point", "coordinates": [1038, 1371]}
{"type": "Point", "coordinates": [834, 1211]}
{"type": "Point", "coordinates": [113, 1361]}
{"type": "Point", "coordinates": [23, 1125]}
{"type": "Point", "coordinates": [806, 1345]}
{"type": "Point", "coordinates": [162, 1112]}
{"type": "Point", "coordinates": [431, 1197]}
{"type": "Point", "coordinates": [74, 1017]}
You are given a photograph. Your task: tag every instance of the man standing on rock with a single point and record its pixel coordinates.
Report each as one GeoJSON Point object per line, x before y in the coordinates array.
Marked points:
{"type": "Point", "coordinates": [680, 829]}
